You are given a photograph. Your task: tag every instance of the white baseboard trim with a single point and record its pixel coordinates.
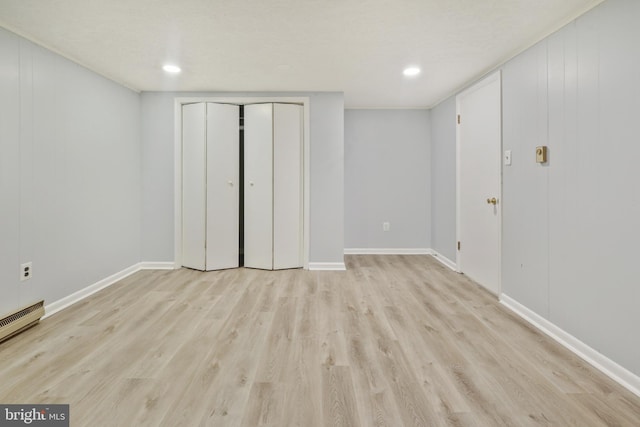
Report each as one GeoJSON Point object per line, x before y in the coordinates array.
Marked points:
{"type": "Point", "coordinates": [147, 265]}
{"type": "Point", "coordinates": [387, 251]}
{"type": "Point", "coordinates": [77, 296]}
{"type": "Point", "coordinates": [444, 260]}
{"type": "Point", "coordinates": [65, 302]}
{"type": "Point", "coordinates": [621, 375]}
{"type": "Point", "coordinates": [327, 266]}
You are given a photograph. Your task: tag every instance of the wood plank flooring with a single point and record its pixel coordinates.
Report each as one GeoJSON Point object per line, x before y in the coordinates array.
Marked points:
{"type": "Point", "coordinates": [393, 341]}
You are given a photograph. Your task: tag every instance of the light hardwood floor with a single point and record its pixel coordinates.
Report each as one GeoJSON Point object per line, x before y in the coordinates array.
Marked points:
{"type": "Point", "coordinates": [393, 341]}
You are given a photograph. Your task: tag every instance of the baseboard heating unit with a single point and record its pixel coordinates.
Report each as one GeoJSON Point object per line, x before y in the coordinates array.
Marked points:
{"type": "Point", "coordinates": [20, 320]}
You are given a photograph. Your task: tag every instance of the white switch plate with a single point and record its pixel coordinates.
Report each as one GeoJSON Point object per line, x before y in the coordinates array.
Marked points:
{"type": "Point", "coordinates": [386, 226]}
{"type": "Point", "coordinates": [507, 157]}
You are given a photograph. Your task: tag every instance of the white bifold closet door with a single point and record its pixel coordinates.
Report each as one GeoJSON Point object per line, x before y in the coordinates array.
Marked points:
{"type": "Point", "coordinates": [194, 134]}
{"type": "Point", "coordinates": [273, 186]}
{"type": "Point", "coordinates": [210, 189]}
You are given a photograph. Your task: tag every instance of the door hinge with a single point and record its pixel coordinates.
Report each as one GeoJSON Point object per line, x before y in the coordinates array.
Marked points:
{"type": "Point", "coordinates": [458, 118]}
{"type": "Point", "coordinates": [458, 245]}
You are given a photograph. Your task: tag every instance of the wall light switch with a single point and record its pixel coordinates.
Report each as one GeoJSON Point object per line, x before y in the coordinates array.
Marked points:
{"type": "Point", "coordinates": [386, 226]}
{"type": "Point", "coordinates": [541, 154]}
{"type": "Point", "coordinates": [507, 157]}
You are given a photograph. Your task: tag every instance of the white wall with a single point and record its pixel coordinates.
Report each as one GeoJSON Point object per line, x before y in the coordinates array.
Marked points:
{"type": "Point", "coordinates": [571, 227]}
{"type": "Point", "coordinates": [69, 175]}
{"type": "Point", "coordinates": [387, 178]}
{"type": "Point", "coordinates": [326, 170]}
{"type": "Point", "coordinates": [443, 178]}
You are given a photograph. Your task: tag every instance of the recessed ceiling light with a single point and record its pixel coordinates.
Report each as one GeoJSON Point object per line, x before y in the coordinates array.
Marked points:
{"type": "Point", "coordinates": [411, 71]}
{"type": "Point", "coordinates": [171, 68]}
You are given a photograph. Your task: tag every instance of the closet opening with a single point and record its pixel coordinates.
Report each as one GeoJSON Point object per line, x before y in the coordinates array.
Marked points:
{"type": "Point", "coordinates": [241, 185]}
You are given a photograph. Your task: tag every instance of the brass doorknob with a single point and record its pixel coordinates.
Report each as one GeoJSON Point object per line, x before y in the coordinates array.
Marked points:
{"type": "Point", "coordinates": [492, 201]}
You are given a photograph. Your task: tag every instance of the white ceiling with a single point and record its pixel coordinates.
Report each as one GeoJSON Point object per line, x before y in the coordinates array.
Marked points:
{"type": "Point", "coordinates": [359, 47]}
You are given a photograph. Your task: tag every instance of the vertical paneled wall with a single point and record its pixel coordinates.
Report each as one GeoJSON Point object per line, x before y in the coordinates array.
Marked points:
{"type": "Point", "coordinates": [525, 182]}
{"type": "Point", "coordinates": [69, 175]}
{"type": "Point", "coordinates": [571, 227]}
{"type": "Point", "coordinates": [9, 171]}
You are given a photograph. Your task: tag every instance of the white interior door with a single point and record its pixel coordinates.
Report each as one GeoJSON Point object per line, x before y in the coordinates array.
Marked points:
{"type": "Point", "coordinates": [223, 169]}
{"type": "Point", "coordinates": [258, 186]}
{"type": "Point", "coordinates": [193, 185]}
{"type": "Point", "coordinates": [479, 182]}
{"type": "Point", "coordinates": [287, 186]}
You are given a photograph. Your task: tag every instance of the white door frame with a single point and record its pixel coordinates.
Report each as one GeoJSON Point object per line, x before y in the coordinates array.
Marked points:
{"type": "Point", "coordinates": [238, 100]}
{"type": "Point", "coordinates": [459, 261]}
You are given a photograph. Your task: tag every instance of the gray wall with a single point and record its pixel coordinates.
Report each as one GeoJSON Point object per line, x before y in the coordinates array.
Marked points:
{"type": "Point", "coordinates": [326, 173]}
{"type": "Point", "coordinates": [69, 175]}
{"type": "Point", "coordinates": [443, 178]}
{"type": "Point", "coordinates": [570, 228]}
{"type": "Point", "coordinates": [387, 178]}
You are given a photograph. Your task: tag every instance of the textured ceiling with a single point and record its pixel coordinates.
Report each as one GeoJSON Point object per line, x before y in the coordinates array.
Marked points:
{"type": "Point", "coordinates": [359, 47]}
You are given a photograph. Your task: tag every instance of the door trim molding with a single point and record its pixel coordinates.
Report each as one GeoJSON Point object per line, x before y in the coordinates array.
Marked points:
{"type": "Point", "coordinates": [482, 83]}
{"type": "Point", "coordinates": [239, 100]}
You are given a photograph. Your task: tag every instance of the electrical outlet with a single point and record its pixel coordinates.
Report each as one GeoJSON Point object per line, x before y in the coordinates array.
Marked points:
{"type": "Point", "coordinates": [386, 226]}
{"type": "Point", "coordinates": [26, 271]}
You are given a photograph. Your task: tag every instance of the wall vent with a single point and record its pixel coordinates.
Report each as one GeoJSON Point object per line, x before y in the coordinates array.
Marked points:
{"type": "Point", "coordinates": [20, 320]}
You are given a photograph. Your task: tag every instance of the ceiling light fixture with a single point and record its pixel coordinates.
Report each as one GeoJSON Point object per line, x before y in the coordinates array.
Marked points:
{"type": "Point", "coordinates": [411, 71]}
{"type": "Point", "coordinates": [174, 69]}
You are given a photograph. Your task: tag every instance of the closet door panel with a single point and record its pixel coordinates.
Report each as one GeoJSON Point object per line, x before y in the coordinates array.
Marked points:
{"type": "Point", "coordinates": [258, 186]}
{"type": "Point", "coordinates": [287, 188]}
{"type": "Point", "coordinates": [223, 157]}
{"type": "Point", "coordinates": [193, 186]}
